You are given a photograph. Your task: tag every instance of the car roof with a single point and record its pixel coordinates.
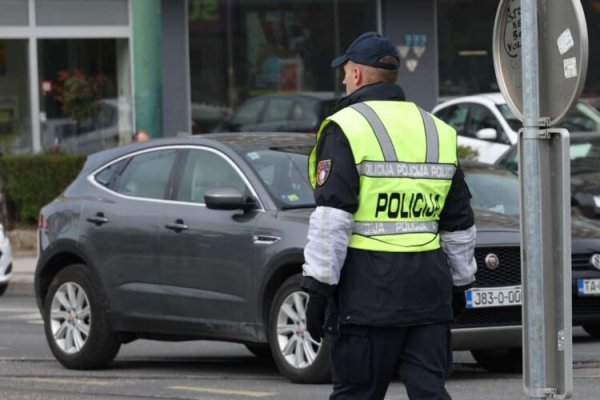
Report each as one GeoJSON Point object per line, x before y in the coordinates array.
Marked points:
{"type": "Point", "coordinates": [470, 165]}
{"type": "Point", "coordinates": [494, 98]}
{"type": "Point", "coordinates": [238, 141]}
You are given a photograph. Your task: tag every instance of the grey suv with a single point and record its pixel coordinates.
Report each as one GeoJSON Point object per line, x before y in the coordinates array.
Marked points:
{"type": "Point", "coordinates": [202, 238]}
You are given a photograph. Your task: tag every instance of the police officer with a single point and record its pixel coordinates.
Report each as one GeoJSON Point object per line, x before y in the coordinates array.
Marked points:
{"type": "Point", "coordinates": [391, 242]}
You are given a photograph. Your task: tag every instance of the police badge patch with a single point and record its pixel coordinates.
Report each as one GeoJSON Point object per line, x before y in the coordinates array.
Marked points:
{"type": "Point", "coordinates": [323, 169]}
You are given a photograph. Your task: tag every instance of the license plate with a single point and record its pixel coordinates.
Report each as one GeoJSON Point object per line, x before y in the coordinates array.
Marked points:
{"type": "Point", "coordinates": [493, 297]}
{"type": "Point", "coordinates": [588, 287]}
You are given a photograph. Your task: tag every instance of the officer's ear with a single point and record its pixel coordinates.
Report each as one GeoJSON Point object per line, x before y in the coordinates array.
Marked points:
{"type": "Point", "coordinates": [358, 75]}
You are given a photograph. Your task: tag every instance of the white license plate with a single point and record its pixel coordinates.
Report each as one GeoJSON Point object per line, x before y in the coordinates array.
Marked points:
{"type": "Point", "coordinates": [493, 297]}
{"type": "Point", "coordinates": [588, 287]}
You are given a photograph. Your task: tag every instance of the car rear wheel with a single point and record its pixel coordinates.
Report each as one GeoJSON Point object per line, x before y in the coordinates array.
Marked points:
{"type": "Point", "coordinates": [297, 355]}
{"type": "Point", "coordinates": [76, 321]}
{"type": "Point", "coordinates": [3, 287]}
{"type": "Point", "coordinates": [499, 360]}
{"type": "Point", "coordinates": [593, 330]}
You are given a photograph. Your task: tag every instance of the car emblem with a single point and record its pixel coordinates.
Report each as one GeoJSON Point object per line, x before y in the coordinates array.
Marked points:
{"type": "Point", "coordinates": [492, 261]}
{"type": "Point", "coordinates": [595, 260]}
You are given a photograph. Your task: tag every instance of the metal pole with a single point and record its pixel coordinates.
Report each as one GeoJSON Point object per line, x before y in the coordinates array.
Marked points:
{"type": "Point", "coordinates": [147, 64]}
{"type": "Point", "coordinates": [531, 204]}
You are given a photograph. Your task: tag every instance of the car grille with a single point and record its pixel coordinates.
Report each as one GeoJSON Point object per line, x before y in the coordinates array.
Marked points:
{"type": "Point", "coordinates": [508, 273]}
{"type": "Point", "coordinates": [581, 261]}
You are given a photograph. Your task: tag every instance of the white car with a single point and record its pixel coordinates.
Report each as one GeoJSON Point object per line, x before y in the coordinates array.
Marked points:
{"type": "Point", "coordinates": [6, 261]}
{"type": "Point", "coordinates": [485, 123]}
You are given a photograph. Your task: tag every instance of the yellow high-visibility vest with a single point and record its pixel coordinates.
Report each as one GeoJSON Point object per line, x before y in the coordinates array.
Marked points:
{"type": "Point", "coordinates": [406, 159]}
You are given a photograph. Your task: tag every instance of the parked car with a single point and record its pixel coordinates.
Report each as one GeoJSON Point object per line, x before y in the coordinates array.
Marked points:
{"type": "Point", "coordinates": [491, 326]}
{"type": "Point", "coordinates": [6, 261]}
{"type": "Point", "coordinates": [202, 238]}
{"type": "Point", "coordinates": [206, 117]}
{"type": "Point", "coordinates": [485, 123]}
{"type": "Point", "coordinates": [106, 129]}
{"type": "Point", "coordinates": [584, 150]}
{"type": "Point", "coordinates": [282, 112]}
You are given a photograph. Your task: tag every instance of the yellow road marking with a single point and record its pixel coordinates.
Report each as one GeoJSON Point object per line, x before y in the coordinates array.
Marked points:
{"type": "Point", "coordinates": [69, 381]}
{"type": "Point", "coordinates": [223, 391]}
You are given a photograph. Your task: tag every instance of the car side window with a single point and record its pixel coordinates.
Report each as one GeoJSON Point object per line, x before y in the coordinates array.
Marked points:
{"type": "Point", "coordinates": [455, 116]}
{"type": "Point", "coordinates": [278, 110]}
{"type": "Point", "coordinates": [249, 113]}
{"type": "Point", "coordinates": [205, 170]}
{"type": "Point", "coordinates": [147, 174]}
{"type": "Point", "coordinates": [481, 117]}
{"type": "Point", "coordinates": [108, 175]}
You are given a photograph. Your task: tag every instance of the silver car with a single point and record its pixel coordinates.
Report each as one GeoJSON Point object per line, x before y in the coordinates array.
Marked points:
{"type": "Point", "coordinates": [6, 261]}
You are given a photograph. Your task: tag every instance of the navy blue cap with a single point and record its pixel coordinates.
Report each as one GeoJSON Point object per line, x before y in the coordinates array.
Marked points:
{"type": "Point", "coordinates": [369, 49]}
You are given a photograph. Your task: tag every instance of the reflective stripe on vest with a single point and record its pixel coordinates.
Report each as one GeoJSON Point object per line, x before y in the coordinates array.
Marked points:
{"type": "Point", "coordinates": [396, 140]}
{"type": "Point", "coordinates": [393, 228]}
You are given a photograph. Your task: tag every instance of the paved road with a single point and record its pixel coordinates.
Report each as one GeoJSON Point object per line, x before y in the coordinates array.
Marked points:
{"type": "Point", "coordinates": [202, 370]}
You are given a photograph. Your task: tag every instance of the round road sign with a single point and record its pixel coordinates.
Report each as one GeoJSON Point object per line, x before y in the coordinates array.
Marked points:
{"type": "Point", "coordinates": [562, 49]}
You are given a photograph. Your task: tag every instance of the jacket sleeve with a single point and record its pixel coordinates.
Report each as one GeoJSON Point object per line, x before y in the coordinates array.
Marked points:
{"type": "Point", "coordinates": [458, 232]}
{"type": "Point", "coordinates": [330, 227]}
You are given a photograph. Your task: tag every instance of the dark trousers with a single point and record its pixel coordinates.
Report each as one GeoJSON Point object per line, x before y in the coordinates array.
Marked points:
{"type": "Point", "coordinates": [366, 359]}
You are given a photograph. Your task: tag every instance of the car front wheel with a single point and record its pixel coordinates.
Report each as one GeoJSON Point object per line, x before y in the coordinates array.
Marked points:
{"type": "Point", "coordinates": [297, 355]}
{"type": "Point", "coordinates": [76, 321]}
{"type": "Point", "coordinates": [3, 287]}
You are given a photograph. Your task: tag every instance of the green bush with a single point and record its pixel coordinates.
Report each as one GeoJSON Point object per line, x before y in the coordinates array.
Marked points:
{"type": "Point", "coordinates": [31, 181]}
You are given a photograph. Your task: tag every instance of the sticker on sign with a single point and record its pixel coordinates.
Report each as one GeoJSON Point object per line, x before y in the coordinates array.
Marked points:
{"type": "Point", "coordinates": [570, 66]}
{"type": "Point", "coordinates": [493, 297]}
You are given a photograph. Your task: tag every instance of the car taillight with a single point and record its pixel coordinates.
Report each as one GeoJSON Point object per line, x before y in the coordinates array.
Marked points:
{"type": "Point", "coordinates": [42, 222]}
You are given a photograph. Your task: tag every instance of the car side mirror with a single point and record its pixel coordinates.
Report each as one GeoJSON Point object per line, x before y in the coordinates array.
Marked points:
{"type": "Point", "coordinates": [486, 134]}
{"type": "Point", "coordinates": [227, 198]}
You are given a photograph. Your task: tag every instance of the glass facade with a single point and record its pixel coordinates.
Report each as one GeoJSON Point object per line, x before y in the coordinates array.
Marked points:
{"type": "Point", "coordinates": [466, 63]}
{"type": "Point", "coordinates": [82, 13]}
{"type": "Point", "coordinates": [80, 107]}
{"type": "Point", "coordinates": [244, 49]}
{"type": "Point", "coordinates": [64, 89]}
{"type": "Point", "coordinates": [14, 13]}
{"type": "Point", "coordinates": [15, 126]}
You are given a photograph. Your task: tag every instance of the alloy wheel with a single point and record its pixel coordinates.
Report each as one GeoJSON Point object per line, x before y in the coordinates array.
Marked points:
{"type": "Point", "coordinates": [296, 345]}
{"type": "Point", "coordinates": [70, 317]}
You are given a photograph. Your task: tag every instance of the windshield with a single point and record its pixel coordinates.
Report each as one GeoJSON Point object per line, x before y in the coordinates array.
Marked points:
{"type": "Point", "coordinates": [493, 190]}
{"type": "Point", "coordinates": [582, 118]}
{"type": "Point", "coordinates": [284, 174]}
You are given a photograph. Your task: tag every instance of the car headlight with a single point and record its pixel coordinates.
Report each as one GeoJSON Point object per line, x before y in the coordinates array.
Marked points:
{"type": "Point", "coordinates": [597, 201]}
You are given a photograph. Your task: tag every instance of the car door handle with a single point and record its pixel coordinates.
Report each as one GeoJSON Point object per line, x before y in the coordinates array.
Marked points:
{"type": "Point", "coordinates": [98, 219]}
{"type": "Point", "coordinates": [177, 226]}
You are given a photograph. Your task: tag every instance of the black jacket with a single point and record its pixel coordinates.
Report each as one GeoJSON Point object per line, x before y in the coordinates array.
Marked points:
{"type": "Point", "coordinates": [386, 288]}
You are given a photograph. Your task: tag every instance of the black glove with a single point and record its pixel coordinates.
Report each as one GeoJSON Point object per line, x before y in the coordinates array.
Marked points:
{"type": "Point", "coordinates": [315, 315]}
{"type": "Point", "coordinates": [459, 300]}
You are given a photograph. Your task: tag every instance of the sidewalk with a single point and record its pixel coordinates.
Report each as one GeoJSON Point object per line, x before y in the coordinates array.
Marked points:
{"type": "Point", "coordinates": [23, 271]}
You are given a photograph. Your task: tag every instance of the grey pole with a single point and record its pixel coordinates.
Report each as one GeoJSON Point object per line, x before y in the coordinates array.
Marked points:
{"type": "Point", "coordinates": [531, 201]}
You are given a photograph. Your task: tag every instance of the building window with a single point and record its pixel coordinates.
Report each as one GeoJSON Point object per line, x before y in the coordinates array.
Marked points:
{"type": "Point", "coordinates": [82, 13]}
{"type": "Point", "coordinates": [14, 13]}
{"type": "Point", "coordinates": [466, 64]}
{"type": "Point", "coordinates": [84, 101]}
{"type": "Point", "coordinates": [244, 49]}
{"type": "Point", "coordinates": [15, 129]}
